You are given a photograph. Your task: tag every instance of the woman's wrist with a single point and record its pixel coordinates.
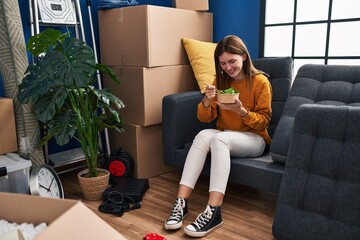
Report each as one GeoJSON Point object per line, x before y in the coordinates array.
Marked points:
{"type": "Point", "coordinates": [243, 112]}
{"type": "Point", "coordinates": [205, 102]}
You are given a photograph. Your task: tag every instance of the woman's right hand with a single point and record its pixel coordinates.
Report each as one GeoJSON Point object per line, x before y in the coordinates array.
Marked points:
{"type": "Point", "coordinates": [210, 93]}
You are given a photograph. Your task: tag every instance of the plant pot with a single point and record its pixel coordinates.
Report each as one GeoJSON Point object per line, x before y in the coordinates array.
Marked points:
{"type": "Point", "coordinates": [93, 187]}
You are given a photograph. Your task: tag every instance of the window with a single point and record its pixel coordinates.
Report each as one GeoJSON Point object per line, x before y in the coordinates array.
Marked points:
{"type": "Point", "coordinates": [319, 32]}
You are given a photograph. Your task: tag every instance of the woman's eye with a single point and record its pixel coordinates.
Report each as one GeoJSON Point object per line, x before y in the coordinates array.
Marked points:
{"type": "Point", "coordinates": [232, 61]}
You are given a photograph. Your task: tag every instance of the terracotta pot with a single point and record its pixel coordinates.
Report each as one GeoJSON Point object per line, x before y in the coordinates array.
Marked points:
{"type": "Point", "coordinates": [94, 187]}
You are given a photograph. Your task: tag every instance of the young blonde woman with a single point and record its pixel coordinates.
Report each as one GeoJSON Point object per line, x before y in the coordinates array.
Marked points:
{"type": "Point", "coordinates": [241, 131]}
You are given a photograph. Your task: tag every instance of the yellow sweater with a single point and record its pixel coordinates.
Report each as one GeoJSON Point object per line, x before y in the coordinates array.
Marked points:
{"type": "Point", "coordinates": [256, 100]}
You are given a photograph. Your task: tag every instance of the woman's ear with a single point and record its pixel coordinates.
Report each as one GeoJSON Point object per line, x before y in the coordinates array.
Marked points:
{"type": "Point", "coordinates": [244, 56]}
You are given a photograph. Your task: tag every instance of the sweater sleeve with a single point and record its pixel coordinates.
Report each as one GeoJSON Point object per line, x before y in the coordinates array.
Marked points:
{"type": "Point", "coordinates": [259, 118]}
{"type": "Point", "coordinates": [207, 114]}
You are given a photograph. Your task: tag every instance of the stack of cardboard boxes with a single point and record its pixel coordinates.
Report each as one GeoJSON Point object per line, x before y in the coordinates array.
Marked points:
{"type": "Point", "coordinates": [143, 46]}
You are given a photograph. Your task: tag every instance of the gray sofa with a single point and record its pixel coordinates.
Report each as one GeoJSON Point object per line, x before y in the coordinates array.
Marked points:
{"type": "Point", "coordinates": [313, 161]}
{"type": "Point", "coordinates": [180, 125]}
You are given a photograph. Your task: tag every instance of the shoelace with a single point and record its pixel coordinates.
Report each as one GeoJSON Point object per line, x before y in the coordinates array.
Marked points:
{"type": "Point", "coordinates": [177, 212]}
{"type": "Point", "coordinates": [203, 218]}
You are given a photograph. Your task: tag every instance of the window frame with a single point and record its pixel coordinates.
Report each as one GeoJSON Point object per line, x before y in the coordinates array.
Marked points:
{"type": "Point", "coordinates": [294, 24]}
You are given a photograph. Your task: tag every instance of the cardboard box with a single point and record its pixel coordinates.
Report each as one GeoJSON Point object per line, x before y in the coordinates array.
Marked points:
{"type": "Point", "coordinates": [8, 141]}
{"type": "Point", "coordinates": [150, 36]}
{"type": "Point", "coordinates": [66, 219]}
{"type": "Point", "coordinates": [198, 5]}
{"type": "Point", "coordinates": [144, 145]}
{"type": "Point", "coordinates": [142, 90]}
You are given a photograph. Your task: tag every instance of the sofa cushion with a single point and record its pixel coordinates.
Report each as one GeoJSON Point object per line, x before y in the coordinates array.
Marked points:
{"type": "Point", "coordinates": [317, 84]}
{"type": "Point", "coordinates": [201, 57]}
{"type": "Point", "coordinates": [319, 196]}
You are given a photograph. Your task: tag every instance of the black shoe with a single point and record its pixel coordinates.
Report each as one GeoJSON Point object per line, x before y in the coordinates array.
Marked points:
{"type": "Point", "coordinates": [178, 214]}
{"type": "Point", "coordinates": [205, 222]}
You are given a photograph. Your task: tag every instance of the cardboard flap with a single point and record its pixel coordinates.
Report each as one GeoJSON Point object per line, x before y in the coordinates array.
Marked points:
{"type": "Point", "coordinates": [79, 222]}
{"type": "Point", "coordinates": [22, 208]}
{"type": "Point", "coordinates": [66, 219]}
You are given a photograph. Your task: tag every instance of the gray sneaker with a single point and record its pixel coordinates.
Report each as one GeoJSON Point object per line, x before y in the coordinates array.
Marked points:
{"type": "Point", "coordinates": [206, 222]}
{"type": "Point", "coordinates": [178, 214]}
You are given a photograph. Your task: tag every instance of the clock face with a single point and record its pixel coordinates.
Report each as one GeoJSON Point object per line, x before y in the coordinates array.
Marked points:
{"type": "Point", "coordinates": [45, 182]}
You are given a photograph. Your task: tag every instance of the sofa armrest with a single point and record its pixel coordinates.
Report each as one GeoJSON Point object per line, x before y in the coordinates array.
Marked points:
{"type": "Point", "coordinates": [319, 194]}
{"type": "Point", "coordinates": [179, 123]}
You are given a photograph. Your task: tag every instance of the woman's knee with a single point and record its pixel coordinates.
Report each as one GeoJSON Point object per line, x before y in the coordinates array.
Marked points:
{"type": "Point", "coordinates": [220, 140]}
{"type": "Point", "coordinates": [204, 137]}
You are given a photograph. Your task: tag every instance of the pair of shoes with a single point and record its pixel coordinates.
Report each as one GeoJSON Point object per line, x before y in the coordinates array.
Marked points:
{"type": "Point", "coordinates": [179, 212]}
{"type": "Point", "coordinates": [206, 222]}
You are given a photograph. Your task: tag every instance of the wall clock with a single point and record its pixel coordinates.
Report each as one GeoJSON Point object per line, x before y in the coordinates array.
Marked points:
{"type": "Point", "coordinates": [45, 182]}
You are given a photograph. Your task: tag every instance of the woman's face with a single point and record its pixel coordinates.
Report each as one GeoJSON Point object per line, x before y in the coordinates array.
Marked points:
{"type": "Point", "coordinates": [232, 64]}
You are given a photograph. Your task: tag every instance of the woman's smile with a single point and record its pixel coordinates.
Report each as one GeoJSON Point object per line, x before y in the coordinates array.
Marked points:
{"type": "Point", "coordinates": [233, 72]}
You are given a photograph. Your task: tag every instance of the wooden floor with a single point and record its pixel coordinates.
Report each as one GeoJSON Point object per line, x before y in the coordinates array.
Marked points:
{"type": "Point", "coordinates": [247, 213]}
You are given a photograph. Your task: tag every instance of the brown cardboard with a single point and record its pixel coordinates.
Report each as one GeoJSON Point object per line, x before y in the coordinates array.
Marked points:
{"type": "Point", "coordinates": [142, 89]}
{"type": "Point", "coordinates": [149, 36]}
{"type": "Point", "coordinates": [198, 5]}
{"type": "Point", "coordinates": [144, 145]}
{"type": "Point", "coordinates": [8, 141]}
{"type": "Point", "coordinates": [66, 219]}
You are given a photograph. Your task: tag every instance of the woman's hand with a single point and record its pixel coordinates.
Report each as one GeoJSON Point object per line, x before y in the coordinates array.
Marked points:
{"type": "Point", "coordinates": [210, 93]}
{"type": "Point", "coordinates": [236, 107]}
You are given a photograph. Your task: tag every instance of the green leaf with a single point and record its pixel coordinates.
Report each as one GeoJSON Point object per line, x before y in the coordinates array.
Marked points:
{"type": "Point", "coordinates": [106, 98]}
{"type": "Point", "coordinates": [78, 67]}
{"type": "Point", "coordinates": [45, 40]}
{"type": "Point", "coordinates": [110, 117]}
{"type": "Point", "coordinates": [108, 71]}
{"type": "Point", "coordinates": [62, 127]}
{"type": "Point", "coordinates": [35, 84]}
{"type": "Point", "coordinates": [46, 108]}
{"type": "Point", "coordinates": [110, 121]}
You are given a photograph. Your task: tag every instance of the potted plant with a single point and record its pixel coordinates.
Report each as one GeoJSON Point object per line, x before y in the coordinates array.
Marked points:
{"type": "Point", "coordinates": [60, 87]}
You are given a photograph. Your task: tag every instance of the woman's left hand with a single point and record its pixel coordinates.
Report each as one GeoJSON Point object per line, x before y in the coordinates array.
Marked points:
{"type": "Point", "coordinates": [236, 107]}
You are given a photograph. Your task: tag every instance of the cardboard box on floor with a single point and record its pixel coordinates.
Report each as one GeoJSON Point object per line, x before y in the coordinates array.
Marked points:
{"type": "Point", "coordinates": [142, 89]}
{"type": "Point", "coordinates": [144, 145]}
{"type": "Point", "coordinates": [8, 141]}
{"type": "Point", "coordinates": [66, 219]}
{"type": "Point", "coordinates": [198, 5]}
{"type": "Point", "coordinates": [150, 36]}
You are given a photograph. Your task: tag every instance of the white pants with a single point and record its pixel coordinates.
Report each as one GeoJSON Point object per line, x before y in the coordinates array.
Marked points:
{"type": "Point", "coordinates": [222, 144]}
